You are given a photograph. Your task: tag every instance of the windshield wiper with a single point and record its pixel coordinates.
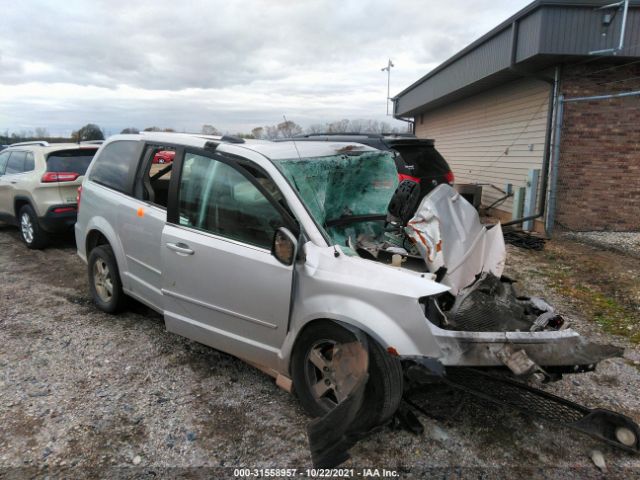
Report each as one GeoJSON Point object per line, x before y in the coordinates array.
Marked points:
{"type": "Point", "coordinates": [349, 219]}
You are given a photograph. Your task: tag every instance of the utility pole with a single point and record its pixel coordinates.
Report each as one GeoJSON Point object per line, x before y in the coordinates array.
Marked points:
{"type": "Point", "coordinates": [388, 68]}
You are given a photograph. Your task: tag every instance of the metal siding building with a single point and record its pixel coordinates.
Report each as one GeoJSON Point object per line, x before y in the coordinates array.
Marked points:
{"type": "Point", "coordinates": [488, 107]}
{"type": "Point", "coordinates": [494, 137]}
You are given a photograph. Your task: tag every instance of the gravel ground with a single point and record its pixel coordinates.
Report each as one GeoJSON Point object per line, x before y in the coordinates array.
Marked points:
{"type": "Point", "coordinates": [626, 242]}
{"type": "Point", "coordinates": [83, 393]}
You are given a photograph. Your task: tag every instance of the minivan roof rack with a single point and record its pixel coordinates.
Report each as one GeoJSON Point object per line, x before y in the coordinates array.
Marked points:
{"type": "Point", "coordinates": [42, 143]}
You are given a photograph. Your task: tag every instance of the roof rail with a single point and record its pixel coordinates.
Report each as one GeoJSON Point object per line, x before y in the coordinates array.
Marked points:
{"type": "Point", "coordinates": [42, 143]}
{"type": "Point", "coordinates": [92, 142]}
{"type": "Point", "coordinates": [213, 144]}
{"type": "Point", "coordinates": [231, 139]}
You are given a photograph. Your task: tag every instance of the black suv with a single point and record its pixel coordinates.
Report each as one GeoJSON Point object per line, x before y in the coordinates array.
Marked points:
{"type": "Point", "coordinates": [416, 159]}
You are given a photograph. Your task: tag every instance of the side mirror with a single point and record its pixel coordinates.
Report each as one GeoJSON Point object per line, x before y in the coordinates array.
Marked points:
{"type": "Point", "coordinates": [284, 246]}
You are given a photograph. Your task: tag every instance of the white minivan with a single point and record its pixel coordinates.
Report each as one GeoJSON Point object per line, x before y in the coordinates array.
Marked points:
{"type": "Point", "coordinates": [286, 255]}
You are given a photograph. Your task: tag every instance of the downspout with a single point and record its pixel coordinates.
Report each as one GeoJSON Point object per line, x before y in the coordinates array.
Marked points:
{"type": "Point", "coordinates": [551, 209]}
{"type": "Point", "coordinates": [553, 93]}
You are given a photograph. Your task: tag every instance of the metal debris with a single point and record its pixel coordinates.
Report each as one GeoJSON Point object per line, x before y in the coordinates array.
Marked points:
{"type": "Point", "coordinates": [522, 239]}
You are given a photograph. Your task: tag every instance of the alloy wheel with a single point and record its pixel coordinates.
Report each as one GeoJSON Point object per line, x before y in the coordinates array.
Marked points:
{"type": "Point", "coordinates": [102, 280]}
{"type": "Point", "coordinates": [26, 227]}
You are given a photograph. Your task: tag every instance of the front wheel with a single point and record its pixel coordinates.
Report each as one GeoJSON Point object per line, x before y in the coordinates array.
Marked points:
{"type": "Point", "coordinates": [315, 382]}
{"type": "Point", "coordinates": [104, 280]}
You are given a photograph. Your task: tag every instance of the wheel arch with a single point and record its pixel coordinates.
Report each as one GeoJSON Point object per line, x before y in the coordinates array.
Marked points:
{"type": "Point", "coordinates": [20, 201]}
{"type": "Point", "coordinates": [386, 331]}
{"type": "Point", "coordinates": [99, 232]}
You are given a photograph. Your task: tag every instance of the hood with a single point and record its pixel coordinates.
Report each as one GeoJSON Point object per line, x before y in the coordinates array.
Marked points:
{"type": "Point", "coordinates": [322, 263]}
{"type": "Point", "coordinates": [448, 233]}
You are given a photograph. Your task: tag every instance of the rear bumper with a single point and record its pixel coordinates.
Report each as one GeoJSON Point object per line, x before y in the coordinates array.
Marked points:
{"type": "Point", "coordinates": [59, 218]}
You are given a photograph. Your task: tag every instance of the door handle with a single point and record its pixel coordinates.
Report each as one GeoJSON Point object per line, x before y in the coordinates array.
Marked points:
{"type": "Point", "coordinates": [180, 248]}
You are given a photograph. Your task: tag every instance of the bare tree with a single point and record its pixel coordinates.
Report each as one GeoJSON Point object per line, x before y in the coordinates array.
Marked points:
{"type": "Point", "coordinates": [209, 130]}
{"type": "Point", "coordinates": [316, 128]}
{"type": "Point", "coordinates": [41, 132]}
{"type": "Point", "coordinates": [288, 129]}
{"type": "Point", "coordinates": [258, 132]}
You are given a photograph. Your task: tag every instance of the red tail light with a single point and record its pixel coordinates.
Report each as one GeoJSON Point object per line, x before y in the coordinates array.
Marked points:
{"type": "Point", "coordinates": [78, 195]}
{"type": "Point", "coordinates": [449, 177]}
{"type": "Point", "coordinates": [50, 177]}
{"type": "Point", "coordinates": [64, 209]}
{"type": "Point", "coordinates": [402, 176]}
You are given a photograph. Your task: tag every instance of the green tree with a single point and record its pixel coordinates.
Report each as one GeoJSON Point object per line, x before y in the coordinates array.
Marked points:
{"type": "Point", "coordinates": [90, 131]}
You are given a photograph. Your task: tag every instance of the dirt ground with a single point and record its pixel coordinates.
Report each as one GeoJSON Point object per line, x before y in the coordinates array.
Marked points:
{"type": "Point", "coordinates": [83, 393]}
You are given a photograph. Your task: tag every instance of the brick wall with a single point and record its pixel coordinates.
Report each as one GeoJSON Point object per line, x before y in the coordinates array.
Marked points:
{"type": "Point", "coordinates": [599, 169]}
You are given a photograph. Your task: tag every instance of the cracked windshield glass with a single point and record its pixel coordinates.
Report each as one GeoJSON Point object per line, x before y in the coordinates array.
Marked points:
{"type": "Point", "coordinates": [347, 195]}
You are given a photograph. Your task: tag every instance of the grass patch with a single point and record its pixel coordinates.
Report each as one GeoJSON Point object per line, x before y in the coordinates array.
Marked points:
{"type": "Point", "coordinates": [568, 277]}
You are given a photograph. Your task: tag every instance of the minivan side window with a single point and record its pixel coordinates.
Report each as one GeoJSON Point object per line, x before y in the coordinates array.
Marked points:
{"type": "Point", "coordinates": [217, 198]}
{"type": "Point", "coordinates": [114, 165]}
{"type": "Point", "coordinates": [16, 163]}
{"type": "Point", "coordinates": [4, 158]}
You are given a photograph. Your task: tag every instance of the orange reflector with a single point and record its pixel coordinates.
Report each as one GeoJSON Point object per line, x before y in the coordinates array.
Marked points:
{"type": "Point", "coordinates": [393, 352]}
{"type": "Point", "coordinates": [141, 212]}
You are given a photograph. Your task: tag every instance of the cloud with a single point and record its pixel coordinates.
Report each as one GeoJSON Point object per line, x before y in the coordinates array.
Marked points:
{"type": "Point", "coordinates": [233, 64]}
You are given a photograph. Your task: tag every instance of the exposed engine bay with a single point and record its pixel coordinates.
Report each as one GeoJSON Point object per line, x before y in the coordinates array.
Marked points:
{"type": "Point", "coordinates": [443, 235]}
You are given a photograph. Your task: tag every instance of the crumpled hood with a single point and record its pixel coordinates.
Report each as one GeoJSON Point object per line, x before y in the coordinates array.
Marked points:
{"type": "Point", "coordinates": [321, 262]}
{"type": "Point", "coordinates": [447, 231]}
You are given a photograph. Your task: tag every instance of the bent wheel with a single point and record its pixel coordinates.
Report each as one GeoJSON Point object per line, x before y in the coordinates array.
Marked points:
{"type": "Point", "coordinates": [324, 374]}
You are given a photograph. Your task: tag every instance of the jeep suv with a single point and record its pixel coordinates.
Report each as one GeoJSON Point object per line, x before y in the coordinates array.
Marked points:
{"type": "Point", "coordinates": [38, 183]}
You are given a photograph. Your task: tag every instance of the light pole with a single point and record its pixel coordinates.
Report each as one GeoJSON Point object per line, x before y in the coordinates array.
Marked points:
{"type": "Point", "coordinates": [388, 70]}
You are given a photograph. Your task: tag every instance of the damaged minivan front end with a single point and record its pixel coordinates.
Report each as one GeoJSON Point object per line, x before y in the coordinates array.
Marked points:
{"type": "Point", "coordinates": [423, 278]}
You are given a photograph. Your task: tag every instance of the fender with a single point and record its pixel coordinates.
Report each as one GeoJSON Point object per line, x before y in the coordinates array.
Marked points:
{"type": "Point", "coordinates": [26, 199]}
{"type": "Point", "coordinates": [410, 337]}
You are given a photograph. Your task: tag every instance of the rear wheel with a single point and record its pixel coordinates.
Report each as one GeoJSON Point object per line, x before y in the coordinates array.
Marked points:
{"type": "Point", "coordinates": [104, 280]}
{"type": "Point", "coordinates": [32, 235]}
{"type": "Point", "coordinates": [316, 383]}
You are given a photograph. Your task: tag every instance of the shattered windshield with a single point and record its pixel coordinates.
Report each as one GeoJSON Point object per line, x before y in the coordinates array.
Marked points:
{"type": "Point", "coordinates": [348, 195]}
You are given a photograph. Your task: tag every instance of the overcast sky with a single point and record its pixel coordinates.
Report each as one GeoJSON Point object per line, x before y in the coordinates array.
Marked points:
{"type": "Point", "coordinates": [235, 64]}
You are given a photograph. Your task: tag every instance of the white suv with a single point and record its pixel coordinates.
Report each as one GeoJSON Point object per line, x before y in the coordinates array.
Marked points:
{"type": "Point", "coordinates": [38, 185]}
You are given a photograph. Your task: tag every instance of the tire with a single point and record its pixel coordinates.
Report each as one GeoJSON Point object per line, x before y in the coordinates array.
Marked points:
{"type": "Point", "coordinates": [104, 280]}
{"type": "Point", "coordinates": [30, 232]}
{"type": "Point", "coordinates": [384, 388]}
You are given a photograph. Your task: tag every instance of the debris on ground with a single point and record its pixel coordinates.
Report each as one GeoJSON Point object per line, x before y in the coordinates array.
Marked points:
{"type": "Point", "coordinates": [522, 239]}
{"type": "Point", "coordinates": [598, 460]}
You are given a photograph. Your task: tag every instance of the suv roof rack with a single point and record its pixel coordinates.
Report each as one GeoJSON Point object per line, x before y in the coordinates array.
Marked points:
{"type": "Point", "coordinates": [42, 143]}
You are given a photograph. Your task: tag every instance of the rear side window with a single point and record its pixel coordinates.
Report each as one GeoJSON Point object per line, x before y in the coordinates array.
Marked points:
{"type": "Point", "coordinates": [424, 160]}
{"type": "Point", "coordinates": [115, 165]}
{"type": "Point", "coordinates": [70, 161]}
{"type": "Point", "coordinates": [4, 158]}
{"type": "Point", "coordinates": [29, 162]}
{"type": "Point", "coordinates": [16, 163]}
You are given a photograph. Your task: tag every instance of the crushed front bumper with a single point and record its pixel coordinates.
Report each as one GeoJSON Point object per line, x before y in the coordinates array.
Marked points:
{"type": "Point", "coordinates": [562, 350]}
